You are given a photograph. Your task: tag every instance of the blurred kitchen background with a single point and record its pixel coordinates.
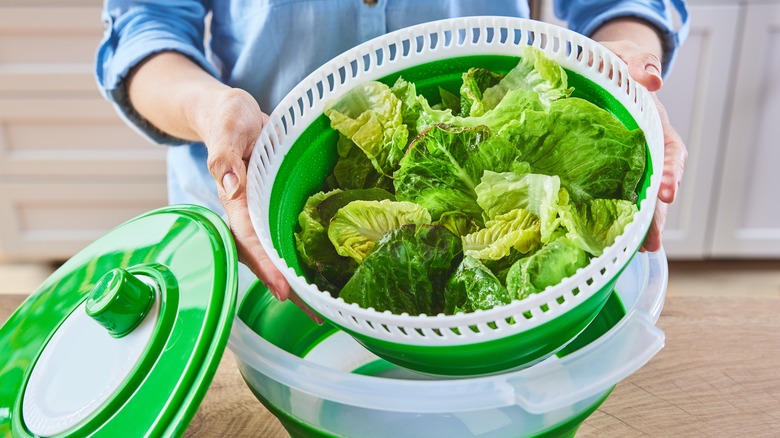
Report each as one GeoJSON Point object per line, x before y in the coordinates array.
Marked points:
{"type": "Point", "coordinates": [70, 170]}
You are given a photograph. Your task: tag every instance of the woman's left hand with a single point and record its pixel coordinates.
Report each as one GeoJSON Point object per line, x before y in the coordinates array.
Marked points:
{"type": "Point", "coordinates": [644, 66]}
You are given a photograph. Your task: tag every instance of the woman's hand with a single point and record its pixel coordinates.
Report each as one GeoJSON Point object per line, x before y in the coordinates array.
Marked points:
{"type": "Point", "coordinates": [639, 46]}
{"type": "Point", "coordinates": [229, 126]}
{"type": "Point", "coordinates": [181, 99]}
{"type": "Point", "coordinates": [230, 129]}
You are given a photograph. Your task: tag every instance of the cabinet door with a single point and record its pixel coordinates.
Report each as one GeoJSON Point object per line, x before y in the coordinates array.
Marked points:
{"type": "Point", "coordinates": [695, 96]}
{"type": "Point", "coordinates": [747, 222]}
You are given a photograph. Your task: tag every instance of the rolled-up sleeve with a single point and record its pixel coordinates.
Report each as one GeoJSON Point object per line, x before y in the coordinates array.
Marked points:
{"type": "Point", "coordinates": [134, 30]}
{"type": "Point", "coordinates": [586, 16]}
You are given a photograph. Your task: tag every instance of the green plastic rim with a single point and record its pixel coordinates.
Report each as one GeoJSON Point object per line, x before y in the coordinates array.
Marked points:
{"type": "Point", "coordinates": [311, 159]}
{"type": "Point", "coordinates": [189, 253]}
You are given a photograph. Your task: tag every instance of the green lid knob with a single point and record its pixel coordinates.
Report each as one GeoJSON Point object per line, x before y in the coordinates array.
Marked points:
{"type": "Point", "coordinates": [119, 301]}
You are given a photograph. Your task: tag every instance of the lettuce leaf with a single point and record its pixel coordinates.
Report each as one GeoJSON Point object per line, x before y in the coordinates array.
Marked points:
{"type": "Point", "coordinates": [370, 115]}
{"type": "Point", "coordinates": [445, 164]}
{"type": "Point", "coordinates": [587, 147]}
{"type": "Point", "coordinates": [536, 73]}
{"type": "Point", "coordinates": [511, 107]}
{"type": "Point", "coordinates": [457, 222]}
{"type": "Point", "coordinates": [331, 270]}
{"type": "Point", "coordinates": [475, 82]}
{"type": "Point", "coordinates": [356, 227]}
{"type": "Point", "coordinates": [407, 271]}
{"type": "Point", "coordinates": [594, 225]}
{"type": "Point", "coordinates": [518, 229]}
{"type": "Point", "coordinates": [500, 193]}
{"type": "Point", "coordinates": [546, 267]}
{"type": "Point", "coordinates": [473, 287]}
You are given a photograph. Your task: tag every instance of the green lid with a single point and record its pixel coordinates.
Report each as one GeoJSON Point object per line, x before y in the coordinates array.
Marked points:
{"type": "Point", "coordinates": [124, 338]}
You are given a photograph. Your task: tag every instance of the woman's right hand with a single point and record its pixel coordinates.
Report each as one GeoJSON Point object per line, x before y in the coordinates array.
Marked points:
{"type": "Point", "coordinates": [179, 98]}
{"type": "Point", "coordinates": [229, 129]}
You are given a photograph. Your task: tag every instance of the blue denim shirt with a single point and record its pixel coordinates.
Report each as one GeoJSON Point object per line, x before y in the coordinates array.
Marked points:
{"type": "Point", "coordinates": [267, 46]}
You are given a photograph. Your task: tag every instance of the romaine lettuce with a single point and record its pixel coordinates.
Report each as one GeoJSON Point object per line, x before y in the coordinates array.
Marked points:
{"type": "Point", "coordinates": [407, 271]}
{"type": "Point", "coordinates": [473, 287]}
{"type": "Point", "coordinates": [546, 267]}
{"type": "Point", "coordinates": [356, 227]}
{"type": "Point", "coordinates": [587, 147]}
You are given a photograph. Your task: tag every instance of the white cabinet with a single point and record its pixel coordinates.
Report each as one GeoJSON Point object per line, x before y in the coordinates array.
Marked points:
{"type": "Point", "coordinates": [696, 95]}
{"type": "Point", "coordinates": [723, 96]}
{"type": "Point", "coordinates": [747, 210]}
{"type": "Point", "coordinates": [70, 170]}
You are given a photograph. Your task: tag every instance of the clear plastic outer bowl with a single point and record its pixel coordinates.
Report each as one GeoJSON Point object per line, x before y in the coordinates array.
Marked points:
{"type": "Point", "coordinates": [319, 394]}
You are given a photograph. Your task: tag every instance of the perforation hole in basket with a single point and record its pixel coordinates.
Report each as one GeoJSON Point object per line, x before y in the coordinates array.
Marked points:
{"type": "Point", "coordinates": [291, 111]}
{"type": "Point", "coordinates": [555, 44]}
{"type": "Point", "coordinates": [392, 52]}
{"type": "Point", "coordinates": [476, 34]}
{"type": "Point", "coordinates": [447, 38]}
{"type": "Point", "coordinates": [342, 72]}
{"type": "Point", "coordinates": [517, 37]}
{"type": "Point", "coordinates": [300, 106]}
{"type": "Point", "coordinates": [310, 97]}
{"type": "Point", "coordinates": [575, 291]}
{"type": "Point", "coordinates": [589, 281]}
{"type": "Point", "coordinates": [490, 34]}
{"type": "Point", "coordinates": [366, 62]}
{"type": "Point", "coordinates": [406, 47]}
{"type": "Point", "coordinates": [462, 37]}
{"type": "Point", "coordinates": [503, 35]}
{"type": "Point", "coordinates": [531, 38]}
{"type": "Point", "coordinates": [434, 41]}
{"type": "Point", "coordinates": [331, 78]}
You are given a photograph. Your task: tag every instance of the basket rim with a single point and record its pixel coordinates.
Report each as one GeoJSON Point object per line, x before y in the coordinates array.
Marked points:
{"type": "Point", "coordinates": [288, 120]}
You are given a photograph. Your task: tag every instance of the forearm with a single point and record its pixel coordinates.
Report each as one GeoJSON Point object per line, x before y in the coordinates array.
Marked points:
{"type": "Point", "coordinates": [173, 93]}
{"type": "Point", "coordinates": [631, 29]}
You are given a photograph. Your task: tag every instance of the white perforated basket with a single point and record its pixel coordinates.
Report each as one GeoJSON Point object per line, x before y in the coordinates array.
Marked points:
{"type": "Point", "coordinates": [425, 43]}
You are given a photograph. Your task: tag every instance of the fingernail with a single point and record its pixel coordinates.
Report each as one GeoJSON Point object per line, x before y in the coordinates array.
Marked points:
{"type": "Point", "coordinates": [230, 183]}
{"type": "Point", "coordinates": [653, 70]}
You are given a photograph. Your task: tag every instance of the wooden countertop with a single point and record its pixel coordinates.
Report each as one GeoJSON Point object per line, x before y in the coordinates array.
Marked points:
{"type": "Point", "coordinates": [717, 376]}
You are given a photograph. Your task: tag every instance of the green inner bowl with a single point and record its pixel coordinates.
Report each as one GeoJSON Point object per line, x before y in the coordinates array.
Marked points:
{"type": "Point", "coordinates": [312, 158]}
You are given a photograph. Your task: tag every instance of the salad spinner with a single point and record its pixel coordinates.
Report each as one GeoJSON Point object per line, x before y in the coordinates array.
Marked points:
{"type": "Point", "coordinates": [124, 339]}
{"type": "Point", "coordinates": [295, 153]}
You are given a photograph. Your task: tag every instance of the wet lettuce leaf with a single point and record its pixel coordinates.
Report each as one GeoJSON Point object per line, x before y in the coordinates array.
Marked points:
{"type": "Point", "coordinates": [511, 107]}
{"type": "Point", "coordinates": [331, 270]}
{"type": "Point", "coordinates": [500, 193]}
{"type": "Point", "coordinates": [473, 286]}
{"type": "Point", "coordinates": [354, 170]}
{"type": "Point", "coordinates": [587, 147]}
{"type": "Point", "coordinates": [475, 82]}
{"type": "Point", "coordinates": [546, 267]}
{"type": "Point", "coordinates": [460, 224]}
{"type": "Point", "coordinates": [356, 227]}
{"type": "Point", "coordinates": [536, 73]}
{"type": "Point", "coordinates": [595, 224]}
{"type": "Point", "coordinates": [407, 271]}
{"type": "Point", "coordinates": [370, 115]}
{"type": "Point", "coordinates": [445, 164]}
{"type": "Point", "coordinates": [517, 229]}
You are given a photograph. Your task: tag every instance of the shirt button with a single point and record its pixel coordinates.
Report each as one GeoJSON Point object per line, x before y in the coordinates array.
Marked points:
{"type": "Point", "coordinates": [370, 2]}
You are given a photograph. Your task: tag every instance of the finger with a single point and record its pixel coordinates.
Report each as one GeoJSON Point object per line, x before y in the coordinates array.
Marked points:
{"type": "Point", "coordinates": [653, 241]}
{"type": "Point", "coordinates": [306, 309]}
{"type": "Point", "coordinates": [675, 157]}
{"type": "Point", "coordinates": [644, 67]}
{"type": "Point", "coordinates": [250, 250]}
